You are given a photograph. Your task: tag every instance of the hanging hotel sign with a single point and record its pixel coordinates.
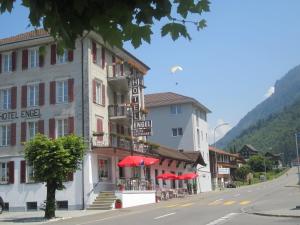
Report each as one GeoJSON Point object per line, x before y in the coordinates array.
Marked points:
{"type": "Point", "coordinates": [24, 114]}
{"type": "Point", "coordinates": [141, 127]}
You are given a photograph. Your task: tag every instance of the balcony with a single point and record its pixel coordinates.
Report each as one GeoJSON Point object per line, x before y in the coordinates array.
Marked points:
{"type": "Point", "coordinates": [119, 113]}
{"type": "Point", "coordinates": [117, 81]}
{"type": "Point", "coordinates": [121, 142]}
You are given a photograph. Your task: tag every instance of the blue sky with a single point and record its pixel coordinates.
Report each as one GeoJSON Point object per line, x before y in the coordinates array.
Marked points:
{"type": "Point", "coordinates": [229, 66]}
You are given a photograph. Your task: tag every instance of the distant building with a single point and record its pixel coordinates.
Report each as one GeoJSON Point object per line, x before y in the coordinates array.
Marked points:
{"type": "Point", "coordinates": [275, 159]}
{"type": "Point", "coordinates": [295, 162]}
{"type": "Point", "coordinates": [247, 151]}
{"type": "Point", "coordinates": [180, 122]}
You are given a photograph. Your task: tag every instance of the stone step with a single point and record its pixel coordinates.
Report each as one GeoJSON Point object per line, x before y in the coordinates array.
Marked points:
{"type": "Point", "coordinates": [99, 208]}
{"type": "Point", "coordinates": [103, 201]}
{"type": "Point", "coordinates": [106, 198]}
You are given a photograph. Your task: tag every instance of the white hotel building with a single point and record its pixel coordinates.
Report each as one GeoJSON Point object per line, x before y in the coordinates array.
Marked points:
{"type": "Point", "coordinates": [87, 91]}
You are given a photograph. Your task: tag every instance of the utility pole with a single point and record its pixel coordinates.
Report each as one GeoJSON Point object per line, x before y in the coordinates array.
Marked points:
{"type": "Point", "coordinates": [297, 153]}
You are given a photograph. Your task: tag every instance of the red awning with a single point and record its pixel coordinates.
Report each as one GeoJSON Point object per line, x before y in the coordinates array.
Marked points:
{"type": "Point", "coordinates": [136, 160]}
{"type": "Point", "coordinates": [167, 176]}
{"type": "Point", "coordinates": [187, 176]}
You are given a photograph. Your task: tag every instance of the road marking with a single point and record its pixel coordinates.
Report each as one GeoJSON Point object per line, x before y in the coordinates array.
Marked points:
{"type": "Point", "coordinates": [171, 206]}
{"type": "Point", "coordinates": [229, 202]}
{"type": "Point", "coordinates": [222, 219]}
{"type": "Point", "coordinates": [216, 202]}
{"type": "Point", "coordinates": [237, 195]}
{"type": "Point", "coordinates": [94, 221]}
{"type": "Point", "coordinates": [244, 202]}
{"type": "Point", "coordinates": [249, 191]}
{"type": "Point", "coordinates": [159, 217]}
{"type": "Point", "coordinates": [188, 204]}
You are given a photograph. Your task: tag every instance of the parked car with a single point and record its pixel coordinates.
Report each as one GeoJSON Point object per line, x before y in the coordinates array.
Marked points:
{"type": "Point", "coordinates": [1, 205]}
{"type": "Point", "coordinates": [231, 185]}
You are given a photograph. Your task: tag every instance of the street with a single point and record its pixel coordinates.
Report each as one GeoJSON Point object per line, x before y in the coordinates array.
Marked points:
{"type": "Point", "coordinates": [232, 206]}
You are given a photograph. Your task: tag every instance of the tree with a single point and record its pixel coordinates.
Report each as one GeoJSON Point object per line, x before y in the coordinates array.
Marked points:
{"type": "Point", "coordinates": [115, 20]}
{"type": "Point", "coordinates": [52, 162]}
{"type": "Point", "coordinates": [257, 163]}
{"type": "Point", "coordinates": [242, 172]}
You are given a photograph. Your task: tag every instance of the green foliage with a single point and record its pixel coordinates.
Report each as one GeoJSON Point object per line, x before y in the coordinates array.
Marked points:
{"type": "Point", "coordinates": [53, 160]}
{"type": "Point", "coordinates": [116, 21]}
{"type": "Point", "coordinates": [242, 172]}
{"type": "Point", "coordinates": [257, 163]}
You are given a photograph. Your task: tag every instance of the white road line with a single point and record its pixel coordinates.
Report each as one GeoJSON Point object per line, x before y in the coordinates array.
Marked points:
{"type": "Point", "coordinates": [222, 219]}
{"type": "Point", "coordinates": [159, 217]}
{"type": "Point", "coordinates": [94, 221]}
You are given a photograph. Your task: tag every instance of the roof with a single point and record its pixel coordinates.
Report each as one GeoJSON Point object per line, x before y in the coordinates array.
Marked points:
{"type": "Point", "coordinates": [250, 147]}
{"type": "Point", "coordinates": [273, 156]}
{"type": "Point", "coordinates": [219, 151]}
{"type": "Point", "coordinates": [169, 98]}
{"type": "Point", "coordinates": [171, 153]}
{"type": "Point", "coordinates": [25, 36]}
{"type": "Point", "coordinates": [196, 156]}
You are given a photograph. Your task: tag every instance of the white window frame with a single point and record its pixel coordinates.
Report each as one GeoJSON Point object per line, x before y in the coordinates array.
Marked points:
{"type": "Point", "coordinates": [5, 135]}
{"type": "Point", "coordinates": [62, 59]}
{"type": "Point", "coordinates": [32, 129]}
{"type": "Point", "coordinates": [175, 109]}
{"type": "Point", "coordinates": [29, 174]}
{"type": "Point", "coordinates": [3, 173]}
{"type": "Point", "coordinates": [34, 54]}
{"type": "Point", "coordinates": [62, 127]}
{"type": "Point", "coordinates": [64, 89]}
{"type": "Point", "coordinates": [33, 95]}
{"type": "Point", "coordinates": [99, 87]}
{"type": "Point", "coordinates": [5, 99]}
{"type": "Point", "coordinates": [177, 132]}
{"type": "Point", "coordinates": [7, 62]}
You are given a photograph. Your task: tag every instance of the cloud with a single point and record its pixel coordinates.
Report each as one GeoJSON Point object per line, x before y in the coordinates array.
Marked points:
{"type": "Point", "coordinates": [219, 132]}
{"type": "Point", "coordinates": [270, 92]}
{"type": "Point", "coordinates": [175, 69]}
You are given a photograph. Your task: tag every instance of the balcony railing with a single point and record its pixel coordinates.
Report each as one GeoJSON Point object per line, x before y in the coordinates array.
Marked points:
{"type": "Point", "coordinates": [119, 111]}
{"type": "Point", "coordinates": [135, 184]}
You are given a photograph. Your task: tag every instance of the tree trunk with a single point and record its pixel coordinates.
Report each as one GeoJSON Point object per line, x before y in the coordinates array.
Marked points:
{"type": "Point", "coordinates": [50, 202]}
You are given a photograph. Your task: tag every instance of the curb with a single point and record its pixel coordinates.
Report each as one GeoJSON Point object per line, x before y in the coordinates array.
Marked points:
{"type": "Point", "coordinates": [269, 214]}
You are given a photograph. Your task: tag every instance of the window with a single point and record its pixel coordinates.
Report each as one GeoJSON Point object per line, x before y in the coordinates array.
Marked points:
{"type": "Point", "coordinates": [198, 138]}
{"type": "Point", "coordinates": [31, 205]}
{"type": "Point", "coordinates": [62, 127]}
{"type": "Point", "coordinates": [3, 172]}
{"type": "Point", "coordinates": [34, 58]}
{"type": "Point", "coordinates": [29, 174]}
{"type": "Point", "coordinates": [5, 99]}
{"type": "Point", "coordinates": [4, 135]}
{"type": "Point", "coordinates": [32, 130]}
{"type": "Point", "coordinates": [33, 95]}
{"type": "Point", "coordinates": [98, 93]}
{"type": "Point", "coordinates": [203, 115]}
{"type": "Point", "coordinates": [103, 169]}
{"type": "Point", "coordinates": [62, 91]}
{"type": "Point", "coordinates": [62, 205]}
{"type": "Point", "coordinates": [175, 109]}
{"type": "Point", "coordinates": [7, 63]}
{"type": "Point", "coordinates": [63, 58]}
{"type": "Point", "coordinates": [177, 132]}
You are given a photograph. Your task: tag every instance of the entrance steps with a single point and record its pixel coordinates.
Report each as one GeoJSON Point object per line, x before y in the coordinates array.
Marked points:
{"type": "Point", "coordinates": [104, 201]}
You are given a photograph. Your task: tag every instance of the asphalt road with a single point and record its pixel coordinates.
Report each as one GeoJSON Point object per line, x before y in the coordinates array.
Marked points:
{"type": "Point", "coordinates": [214, 208]}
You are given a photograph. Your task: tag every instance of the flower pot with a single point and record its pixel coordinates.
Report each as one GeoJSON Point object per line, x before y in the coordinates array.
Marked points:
{"type": "Point", "coordinates": [118, 204]}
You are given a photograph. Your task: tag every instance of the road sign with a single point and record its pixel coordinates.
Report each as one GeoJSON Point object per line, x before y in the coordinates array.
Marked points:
{"type": "Point", "coordinates": [224, 171]}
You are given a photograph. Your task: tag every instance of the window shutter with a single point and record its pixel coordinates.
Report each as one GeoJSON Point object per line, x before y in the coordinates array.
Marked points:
{"type": "Point", "coordinates": [13, 98]}
{"type": "Point", "coordinates": [52, 92]}
{"type": "Point", "coordinates": [70, 55]}
{"type": "Point", "coordinates": [94, 91]}
{"type": "Point", "coordinates": [99, 128]}
{"type": "Point", "coordinates": [13, 129]}
{"type": "Point", "coordinates": [103, 94]}
{"type": "Point", "coordinates": [94, 52]}
{"type": "Point", "coordinates": [114, 65]}
{"type": "Point", "coordinates": [0, 63]}
{"type": "Point", "coordinates": [122, 69]}
{"type": "Point", "coordinates": [103, 57]}
{"type": "Point", "coordinates": [70, 176]}
{"type": "Point", "coordinates": [23, 131]}
{"type": "Point", "coordinates": [52, 128]}
{"type": "Point", "coordinates": [41, 60]}
{"type": "Point", "coordinates": [25, 59]}
{"type": "Point", "coordinates": [24, 96]}
{"type": "Point", "coordinates": [41, 128]}
{"type": "Point", "coordinates": [11, 172]}
{"type": "Point", "coordinates": [22, 171]}
{"type": "Point", "coordinates": [53, 54]}
{"type": "Point", "coordinates": [41, 94]}
{"type": "Point", "coordinates": [71, 90]}
{"type": "Point", "coordinates": [14, 61]}
{"type": "Point", "coordinates": [71, 125]}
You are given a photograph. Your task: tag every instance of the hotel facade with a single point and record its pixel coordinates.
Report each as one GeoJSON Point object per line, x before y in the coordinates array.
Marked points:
{"type": "Point", "coordinates": [95, 91]}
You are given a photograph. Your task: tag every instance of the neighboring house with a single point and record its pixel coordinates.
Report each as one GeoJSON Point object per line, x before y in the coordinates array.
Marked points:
{"type": "Point", "coordinates": [275, 159]}
{"type": "Point", "coordinates": [295, 162]}
{"type": "Point", "coordinates": [247, 151]}
{"type": "Point", "coordinates": [180, 122]}
{"type": "Point", "coordinates": [223, 166]}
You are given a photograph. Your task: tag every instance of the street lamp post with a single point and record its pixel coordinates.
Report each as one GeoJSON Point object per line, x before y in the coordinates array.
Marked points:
{"type": "Point", "coordinates": [215, 145]}
{"type": "Point", "coordinates": [297, 153]}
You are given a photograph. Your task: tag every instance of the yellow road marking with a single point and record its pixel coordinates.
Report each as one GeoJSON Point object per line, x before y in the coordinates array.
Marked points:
{"type": "Point", "coordinates": [187, 204]}
{"type": "Point", "coordinates": [171, 206]}
{"type": "Point", "coordinates": [229, 202]}
{"type": "Point", "coordinates": [244, 202]}
{"type": "Point", "coordinates": [217, 202]}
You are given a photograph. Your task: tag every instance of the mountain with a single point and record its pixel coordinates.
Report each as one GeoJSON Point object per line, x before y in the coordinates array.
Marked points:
{"type": "Point", "coordinates": [274, 134]}
{"type": "Point", "coordinates": [287, 91]}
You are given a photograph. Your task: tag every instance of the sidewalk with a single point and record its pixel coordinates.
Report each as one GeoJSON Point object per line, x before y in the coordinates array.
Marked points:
{"type": "Point", "coordinates": [37, 217]}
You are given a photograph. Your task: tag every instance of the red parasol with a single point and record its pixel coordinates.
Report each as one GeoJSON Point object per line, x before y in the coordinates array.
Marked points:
{"type": "Point", "coordinates": [136, 160]}
{"type": "Point", "coordinates": [187, 176]}
{"type": "Point", "coordinates": [167, 176]}
{"type": "Point", "coordinates": [150, 161]}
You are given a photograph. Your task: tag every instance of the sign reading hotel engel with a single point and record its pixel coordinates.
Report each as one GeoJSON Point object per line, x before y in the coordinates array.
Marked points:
{"type": "Point", "coordinates": [24, 114]}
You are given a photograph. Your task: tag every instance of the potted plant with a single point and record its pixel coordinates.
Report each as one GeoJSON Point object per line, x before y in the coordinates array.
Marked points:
{"type": "Point", "coordinates": [118, 204]}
